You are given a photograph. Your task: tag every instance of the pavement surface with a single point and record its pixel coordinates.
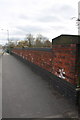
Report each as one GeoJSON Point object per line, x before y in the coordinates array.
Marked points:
{"type": "Point", "coordinates": [28, 95]}
{"type": "Point", "coordinates": [0, 86]}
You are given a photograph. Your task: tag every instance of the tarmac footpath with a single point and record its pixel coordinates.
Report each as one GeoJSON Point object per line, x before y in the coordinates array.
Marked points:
{"type": "Point", "coordinates": [0, 86]}
{"type": "Point", "coordinates": [28, 95]}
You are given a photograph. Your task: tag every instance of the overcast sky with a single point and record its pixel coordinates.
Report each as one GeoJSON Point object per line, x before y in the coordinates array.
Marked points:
{"type": "Point", "coordinates": [47, 17]}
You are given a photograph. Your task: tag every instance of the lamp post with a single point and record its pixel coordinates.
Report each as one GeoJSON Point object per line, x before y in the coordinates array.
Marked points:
{"type": "Point", "coordinates": [8, 35]}
{"type": "Point", "coordinates": [77, 23]}
{"type": "Point", "coordinates": [7, 38]}
{"type": "Point", "coordinates": [1, 30]}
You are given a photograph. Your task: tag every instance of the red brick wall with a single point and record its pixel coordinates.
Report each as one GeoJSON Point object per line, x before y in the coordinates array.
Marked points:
{"type": "Point", "coordinates": [40, 58]}
{"type": "Point", "coordinates": [61, 61]}
{"type": "Point", "coordinates": [64, 62]}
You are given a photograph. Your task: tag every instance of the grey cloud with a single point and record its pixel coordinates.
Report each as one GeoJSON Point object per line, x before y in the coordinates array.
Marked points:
{"type": "Point", "coordinates": [23, 30]}
{"type": "Point", "coordinates": [49, 18]}
{"type": "Point", "coordinates": [59, 27]}
{"type": "Point", "coordinates": [60, 11]}
{"type": "Point", "coordinates": [53, 13]}
{"type": "Point", "coordinates": [67, 11]}
{"type": "Point", "coordinates": [30, 29]}
{"type": "Point", "coordinates": [22, 16]}
{"type": "Point", "coordinates": [18, 32]}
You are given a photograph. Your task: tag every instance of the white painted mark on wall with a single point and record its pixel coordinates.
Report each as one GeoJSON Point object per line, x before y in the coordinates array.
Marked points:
{"type": "Point", "coordinates": [62, 73]}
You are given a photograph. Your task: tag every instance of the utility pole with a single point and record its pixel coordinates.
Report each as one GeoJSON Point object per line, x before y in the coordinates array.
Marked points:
{"type": "Point", "coordinates": [8, 39]}
{"type": "Point", "coordinates": [8, 35]}
{"type": "Point", "coordinates": [79, 18]}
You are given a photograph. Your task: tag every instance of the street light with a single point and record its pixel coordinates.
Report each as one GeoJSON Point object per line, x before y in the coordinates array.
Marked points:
{"type": "Point", "coordinates": [77, 23]}
{"type": "Point", "coordinates": [8, 35]}
{"type": "Point", "coordinates": [7, 38]}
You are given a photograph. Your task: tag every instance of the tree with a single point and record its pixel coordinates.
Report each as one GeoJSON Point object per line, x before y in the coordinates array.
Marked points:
{"type": "Point", "coordinates": [22, 43]}
{"type": "Point", "coordinates": [11, 44]}
{"type": "Point", "coordinates": [8, 46]}
{"type": "Point", "coordinates": [38, 43]}
{"type": "Point", "coordinates": [0, 46]}
{"type": "Point", "coordinates": [47, 43]}
{"type": "Point", "coordinates": [41, 38]}
{"type": "Point", "coordinates": [30, 39]}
